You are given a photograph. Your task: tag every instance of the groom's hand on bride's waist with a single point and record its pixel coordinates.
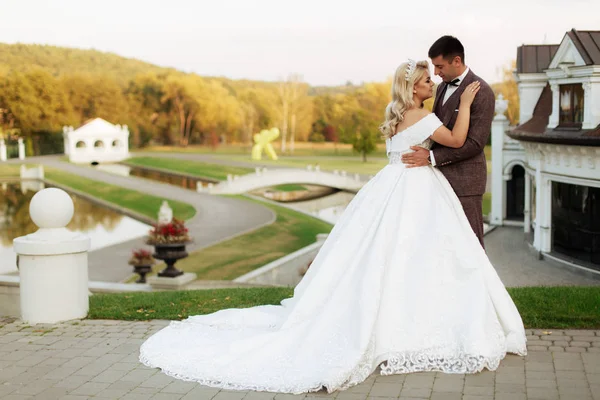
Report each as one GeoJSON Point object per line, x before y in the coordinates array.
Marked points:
{"type": "Point", "coordinates": [418, 158]}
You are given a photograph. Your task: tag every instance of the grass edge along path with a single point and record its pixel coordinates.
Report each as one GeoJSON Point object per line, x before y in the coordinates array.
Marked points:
{"type": "Point", "coordinates": [567, 307]}
{"type": "Point", "coordinates": [291, 231]}
{"type": "Point", "coordinates": [197, 169]}
{"type": "Point", "coordinates": [138, 202]}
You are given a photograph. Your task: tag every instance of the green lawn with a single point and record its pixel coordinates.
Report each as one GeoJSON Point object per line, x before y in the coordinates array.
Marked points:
{"type": "Point", "coordinates": [303, 149]}
{"type": "Point", "coordinates": [349, 164]}
{"type": "Point", "coordinates": [487, 203]}
{"type": "Point", "coordinates": [136, 201]}
{"type": "Point", "coordinates": [11, 170]}
{"type": "Point", "coordinates": [344, 160]}
{"type": "Point", "coordinates": [227, 260]}
{"type": "Point", "coordinates": [290, 187]}
{"type": "Point", "coordinates": [540, 307]}
{"type": "Point", "coordinates": [195, 168]}
{"type": "Point", "coordinates": [180, 304]}
{"type": "Point", "coordinates": [558, 307]}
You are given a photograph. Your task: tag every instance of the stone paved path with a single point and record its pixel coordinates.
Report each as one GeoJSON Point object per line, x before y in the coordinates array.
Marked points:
{"type": "Point", "coordinates": [516, 266]}
{"type": "Point", "coordinates": [89, 359]}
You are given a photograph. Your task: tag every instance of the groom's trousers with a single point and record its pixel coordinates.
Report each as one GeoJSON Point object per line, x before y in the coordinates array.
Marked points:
{"type": "Point", "coordinates": [473, 209]}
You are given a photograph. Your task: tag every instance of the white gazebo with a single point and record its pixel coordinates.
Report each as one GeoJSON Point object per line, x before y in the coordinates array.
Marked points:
{"type": "Point", "coordinates": [97, 141]}
{"type": "Point", "coordinates": [546, 171]}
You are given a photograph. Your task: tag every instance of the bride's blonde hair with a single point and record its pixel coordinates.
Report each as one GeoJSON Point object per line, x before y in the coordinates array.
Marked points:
{"type": "Point", "coordinates": [402, 94]}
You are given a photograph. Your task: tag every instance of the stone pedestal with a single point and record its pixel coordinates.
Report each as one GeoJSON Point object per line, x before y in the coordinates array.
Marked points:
{"type": "Point", "coordinates": [53, 262]}
{"type": "Point", "coordinates": [177, 283]}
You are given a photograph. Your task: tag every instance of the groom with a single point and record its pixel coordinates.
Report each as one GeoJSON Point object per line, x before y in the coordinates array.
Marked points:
{"type": "Point", "coordinates": [465, 167]}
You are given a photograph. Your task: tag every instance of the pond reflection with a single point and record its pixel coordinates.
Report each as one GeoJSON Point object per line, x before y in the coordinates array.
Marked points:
{"type": "Point", "coordinates": [328, 208]}
{"type": "Point", "coordinates": [159, 176]}
{"type": "Point", "coordinates": [104, 226]}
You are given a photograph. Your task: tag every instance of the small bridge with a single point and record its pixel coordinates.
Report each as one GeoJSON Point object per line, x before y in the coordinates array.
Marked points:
{"type": "Point", "coordinates": [266, 178]}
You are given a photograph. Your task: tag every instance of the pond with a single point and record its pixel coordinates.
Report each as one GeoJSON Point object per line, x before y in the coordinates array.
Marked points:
{"type": "Point", "coordinates": [165, 177]}
{"type": "Point", "coordinates": [329, 208]}
{"type": "Point", "coordinates": [104, 226]}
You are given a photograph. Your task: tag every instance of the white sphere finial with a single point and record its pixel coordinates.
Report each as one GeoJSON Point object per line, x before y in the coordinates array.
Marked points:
{"type": "Point", "coordinates": [51, 208]}
{"type": "Point", "coordinates": [501, 107]}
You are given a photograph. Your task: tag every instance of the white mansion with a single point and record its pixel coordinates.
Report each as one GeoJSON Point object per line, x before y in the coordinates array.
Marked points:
{"type": "Point", "coordinates": [546, 171]}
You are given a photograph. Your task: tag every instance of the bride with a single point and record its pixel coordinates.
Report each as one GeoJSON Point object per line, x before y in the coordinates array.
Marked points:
{"type": "Point", "coordinates": [401, 282]}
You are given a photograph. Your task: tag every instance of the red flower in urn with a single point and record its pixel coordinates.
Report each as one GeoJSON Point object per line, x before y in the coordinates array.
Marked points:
{"type": "Point", "coordinates": [142, 261]}
{"type": "Point", "coordinates": [141, 257]}
{"type": "Point", "coordinates": [172, 232]}
{"type": "Point", "coordinates": [169, 240]}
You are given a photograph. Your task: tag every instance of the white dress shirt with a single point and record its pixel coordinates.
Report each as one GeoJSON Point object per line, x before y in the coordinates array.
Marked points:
{"type": "Point", "coordinates": [449, 90]}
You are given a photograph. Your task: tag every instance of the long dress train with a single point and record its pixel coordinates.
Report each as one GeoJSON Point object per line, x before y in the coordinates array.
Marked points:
{"type": "Point", "coordinates": [401, 281]}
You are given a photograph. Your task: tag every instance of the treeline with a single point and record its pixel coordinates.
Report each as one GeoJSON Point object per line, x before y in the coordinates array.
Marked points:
{"type": "Point", "coordinates": [43, 88]}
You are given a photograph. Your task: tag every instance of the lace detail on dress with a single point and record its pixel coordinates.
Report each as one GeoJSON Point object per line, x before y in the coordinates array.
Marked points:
{"type": "Point", "coordinates": [395, 157]}
{"type": "Point", "coordinates": [403, 363]}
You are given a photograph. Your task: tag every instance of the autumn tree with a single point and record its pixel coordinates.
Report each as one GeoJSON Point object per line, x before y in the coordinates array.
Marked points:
{"type": "Point", "coordinates": [509, 89]}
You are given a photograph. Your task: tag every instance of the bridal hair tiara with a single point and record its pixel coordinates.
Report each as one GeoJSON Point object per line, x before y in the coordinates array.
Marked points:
{"type": "Point", "coordinates": [410, 69]}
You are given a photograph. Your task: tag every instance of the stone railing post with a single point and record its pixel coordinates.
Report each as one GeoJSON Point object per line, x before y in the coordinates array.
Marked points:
{"type": "Point", "coordinates": [21, 149]}
{"type": "Point", "coordinates": [3, 155]}
{"type": "Point", "coordinates": [53, 262]}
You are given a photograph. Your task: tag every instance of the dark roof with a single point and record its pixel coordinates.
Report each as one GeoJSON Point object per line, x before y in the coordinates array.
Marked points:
{"type": "Point", "coordinates": [536, 129]}
{"type": "Point", "coordinates": [533, 59]}
{"type": "Point", "coordinates": [541, 114]}
{"type": "Point", "coordinates": [588, 45]}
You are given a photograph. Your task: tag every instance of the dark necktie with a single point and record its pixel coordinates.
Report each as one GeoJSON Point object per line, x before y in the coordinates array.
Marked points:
{"type": "Point", "coordinates": [454, 82]}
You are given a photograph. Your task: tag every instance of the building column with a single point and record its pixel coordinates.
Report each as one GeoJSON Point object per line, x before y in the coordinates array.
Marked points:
{"type": "Point", "coordinates": [554, 117]}
{"type": "Point", "coordinates": [539, 208]}
{"type": "Point", "coordinates": [546, 226]}
{"type": "Point", "coordinates": [527, 205]}
{"type": "Point", "coordinates": [591, 104]}
{"type": "Point", "coordinates": [499, 127]}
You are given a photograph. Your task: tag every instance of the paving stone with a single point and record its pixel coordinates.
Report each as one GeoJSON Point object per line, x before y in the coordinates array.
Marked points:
{"type": "Point", "coordinates": [542, 393]}
{"type": "Point", "coordinates": [479, 390]}
{"type": "Point", "coordinates": [448, 385]}
{"type": "Point", "coordinates": [446, 396]}
{"type": "Point", "coordinates": [568, 364]}
{"type": "Point", "coordinates": [420, 393]}
{"type": "Point", "coordinates": [385, 390]}
{"type": "Point", "coordinates": [90, 389]}
{"type": "Point", "coordinates": [179, 387]}
{"type": "Point", "coordinates": [417, 381]}
{"type": "Point", "coordinates": [99, 360]}
{"type": "Point", "coordinates": [510, 396]}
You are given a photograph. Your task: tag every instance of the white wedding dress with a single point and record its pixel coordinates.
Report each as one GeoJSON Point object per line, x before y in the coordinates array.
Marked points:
{"type": "Point", "coordinates": [401, 281]}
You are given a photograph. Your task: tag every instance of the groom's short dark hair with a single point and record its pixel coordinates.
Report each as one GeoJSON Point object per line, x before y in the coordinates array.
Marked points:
{"type": "Point", "coordinates": [448, 47]}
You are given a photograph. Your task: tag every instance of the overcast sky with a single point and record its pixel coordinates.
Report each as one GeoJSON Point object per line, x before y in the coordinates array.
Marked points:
{"type": "Point", "coordinates": [329, 42]}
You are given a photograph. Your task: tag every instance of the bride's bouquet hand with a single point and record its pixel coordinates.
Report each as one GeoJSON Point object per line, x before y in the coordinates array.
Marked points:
{"type": "Point", "coordinates": [467, 97]}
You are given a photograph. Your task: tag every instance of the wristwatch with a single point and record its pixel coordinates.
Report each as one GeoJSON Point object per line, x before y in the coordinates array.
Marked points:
{"type": "Point", "coordinates": [429, 158]}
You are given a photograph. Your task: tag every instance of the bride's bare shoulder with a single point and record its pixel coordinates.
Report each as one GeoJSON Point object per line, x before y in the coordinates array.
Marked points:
{"type": "Point", "coordinates": [416, 114]}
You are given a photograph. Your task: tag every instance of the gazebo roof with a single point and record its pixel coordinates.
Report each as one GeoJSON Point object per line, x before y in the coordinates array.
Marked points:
{"type": "Point", "coordinates": [97, 127]}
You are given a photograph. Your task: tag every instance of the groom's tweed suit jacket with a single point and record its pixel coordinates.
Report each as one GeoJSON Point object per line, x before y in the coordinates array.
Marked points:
{"type": "Point", "coordinates": [465, 168]}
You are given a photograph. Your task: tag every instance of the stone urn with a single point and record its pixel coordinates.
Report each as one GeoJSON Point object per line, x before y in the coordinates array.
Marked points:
{"type": "Point", "coordinates": [142, 271]}
{"type": "Point", "coordinates": [170, 253]}
{"type": "Point", "coordinates": [142, 262]}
